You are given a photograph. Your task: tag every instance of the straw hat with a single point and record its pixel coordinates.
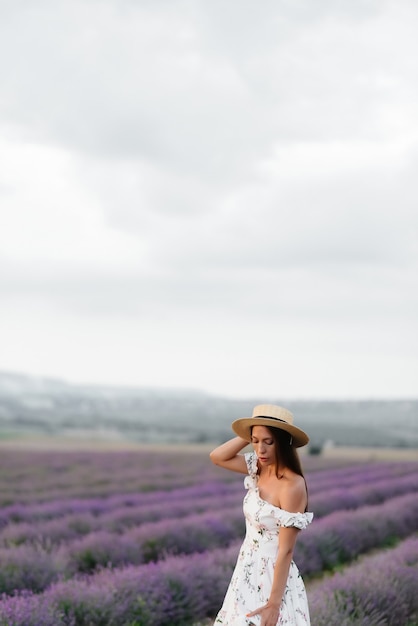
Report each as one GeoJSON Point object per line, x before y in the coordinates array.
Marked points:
{"type": "Point", "coordinates": [273, 416]}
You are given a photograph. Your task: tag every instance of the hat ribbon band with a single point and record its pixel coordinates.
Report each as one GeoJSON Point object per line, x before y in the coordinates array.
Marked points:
{"type": "Point", "coordinates": [268, 417]}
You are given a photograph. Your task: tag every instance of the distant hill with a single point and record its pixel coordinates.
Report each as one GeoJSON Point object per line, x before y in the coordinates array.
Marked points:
{"type": "Point", "coordinates": [54, 407]}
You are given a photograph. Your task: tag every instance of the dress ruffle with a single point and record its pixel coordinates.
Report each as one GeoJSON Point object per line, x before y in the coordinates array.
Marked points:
{"type": "Point", "coordinates": [297, 520]}
{"type": "Point", "coordinates": [251, 461]}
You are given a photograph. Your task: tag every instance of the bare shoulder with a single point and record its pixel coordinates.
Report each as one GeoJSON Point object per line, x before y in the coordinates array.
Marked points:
{"type": "Point", "coordinates": [294, 481]}
{"type": "Point", "coordinates": [293, 495]}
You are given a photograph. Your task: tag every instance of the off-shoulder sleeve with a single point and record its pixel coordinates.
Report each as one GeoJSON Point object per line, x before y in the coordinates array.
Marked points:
{"type": "Point", "coordinates": [297, 520]}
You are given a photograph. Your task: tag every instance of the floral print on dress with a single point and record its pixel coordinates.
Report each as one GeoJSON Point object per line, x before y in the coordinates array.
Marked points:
{"type": "Point", "coordinates": [253, 574]}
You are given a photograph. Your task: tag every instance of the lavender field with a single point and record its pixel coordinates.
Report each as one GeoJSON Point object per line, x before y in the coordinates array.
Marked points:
{"type": "Point", "coordinates": [138, 538]}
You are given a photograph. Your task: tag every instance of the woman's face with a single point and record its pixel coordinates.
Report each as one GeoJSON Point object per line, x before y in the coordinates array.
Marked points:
{"type": "Point", "coordinates": [264, 445]}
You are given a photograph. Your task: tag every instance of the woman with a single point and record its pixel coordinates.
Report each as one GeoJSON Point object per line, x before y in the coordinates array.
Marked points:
{"type": "Point", "coordinates": [266, 588]}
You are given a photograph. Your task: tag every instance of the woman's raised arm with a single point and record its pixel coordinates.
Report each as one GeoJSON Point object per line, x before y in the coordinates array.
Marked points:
{"type": "Point", "coordinates": [227, 455]}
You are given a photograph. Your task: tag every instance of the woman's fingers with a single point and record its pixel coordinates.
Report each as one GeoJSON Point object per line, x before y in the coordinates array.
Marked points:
{"type": "Point", "coordinates": [256, 612]}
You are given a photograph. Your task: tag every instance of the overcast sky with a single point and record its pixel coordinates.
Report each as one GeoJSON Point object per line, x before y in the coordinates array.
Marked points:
{"type": "Point", "coordinates": [212, 195]}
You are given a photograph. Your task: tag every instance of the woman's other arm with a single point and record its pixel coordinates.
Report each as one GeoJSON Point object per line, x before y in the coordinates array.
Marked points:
{"type": "Point", "coordinates": [292, 500]}
{"type": "Point", "coordinates": [227, 455]}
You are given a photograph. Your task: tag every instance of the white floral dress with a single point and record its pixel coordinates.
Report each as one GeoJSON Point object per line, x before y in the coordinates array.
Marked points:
{"type": "Point", "coordinates": [253, 575]}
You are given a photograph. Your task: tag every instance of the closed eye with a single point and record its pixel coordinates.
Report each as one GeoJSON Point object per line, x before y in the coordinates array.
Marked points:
{"type": "Point", "coordinates": [268, 442]}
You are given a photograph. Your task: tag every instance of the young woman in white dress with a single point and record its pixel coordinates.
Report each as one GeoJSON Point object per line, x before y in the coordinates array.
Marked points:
{"type": "Point", "coordinates": [266, 588]}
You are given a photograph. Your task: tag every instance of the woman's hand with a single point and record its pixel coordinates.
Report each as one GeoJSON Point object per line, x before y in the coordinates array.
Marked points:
{"type": "Point", "coordinates": [269, 614]}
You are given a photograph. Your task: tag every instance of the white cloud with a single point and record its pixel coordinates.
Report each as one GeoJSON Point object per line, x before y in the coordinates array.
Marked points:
{"type": "Point", "coordinates": [189, 189]}
{"type": "Point", "coordinates": [50, 222]}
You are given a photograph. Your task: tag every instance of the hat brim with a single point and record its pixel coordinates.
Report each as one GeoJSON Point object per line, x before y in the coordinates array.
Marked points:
{"type": "Point", "coordinates": [242, 427]}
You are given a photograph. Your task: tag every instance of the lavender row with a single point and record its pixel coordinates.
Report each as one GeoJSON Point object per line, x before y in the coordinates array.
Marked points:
{"type": "Point", "coordinates": [379, 591]}
{"type": "Point", "coordinates": [43, 476]}
{"type": "Point", "coordinates": [58, 508]}
{"type": "Point", "coordinates": [365, 491]}
{"type": "Point", "coordinates": [335, 539]}
{"type": "Point", "coordinates": [214, 497]}
{"type": "Point", "coordinates": [211, 497]}
{"type": "Point", "coordinates": [340, 537]}
{"type": "Point", "coordinates": [70, 527]}
{"type": "Point", "coordinates": [39, 476]}
{"type": "Point", "coordinates": [360, 473]}
{"type": "Point", "coordinates": [372, 478]}
{"type": "Point", "coordinates": [35, 567]}
{"type": "Point", "coordinates": [173, 592]}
